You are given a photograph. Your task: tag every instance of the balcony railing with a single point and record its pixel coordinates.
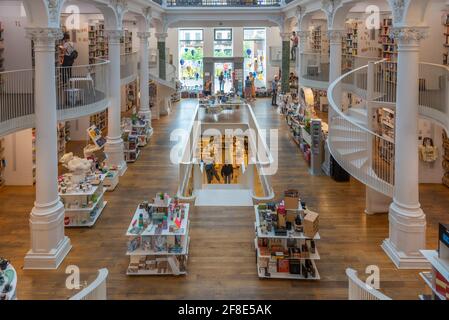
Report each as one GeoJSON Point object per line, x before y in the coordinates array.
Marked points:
{"type": "Point", "coordinates": [128, 67]}
{"type": "Point", "coordinates": [80, 91]}
{"type": "Point", "coordinates": [223, 3]}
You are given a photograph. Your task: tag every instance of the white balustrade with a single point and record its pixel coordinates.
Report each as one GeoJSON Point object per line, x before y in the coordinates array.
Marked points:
{"type": "Point", "coordinates": [359, 290]}
{"type": "Point", "coordinates": [97, 290]}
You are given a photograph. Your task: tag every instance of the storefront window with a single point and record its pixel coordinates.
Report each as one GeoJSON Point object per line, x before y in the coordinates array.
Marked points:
{"type": "Point", "coordinates": [254, 51]}
{"type": "Point", "coordinates": [191, 58]}
{"type": "Point", "coordinates": [223, 43]}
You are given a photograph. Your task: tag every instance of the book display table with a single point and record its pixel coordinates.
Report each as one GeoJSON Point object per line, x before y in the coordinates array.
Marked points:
{"type": "Point", "coordinates": [111, 180]}
{"type": "Point", "coordinates": [285, 242]}
{"type": "Point", "coordinates": [158, 239]}
{"type": "Point", "coordinates": [8, 281]}
{"type": "Point", "coordinates": [84, 201]}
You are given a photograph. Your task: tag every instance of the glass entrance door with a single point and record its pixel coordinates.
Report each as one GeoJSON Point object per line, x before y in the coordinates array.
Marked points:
{"type": "Point", "coordinates": [226, 68]}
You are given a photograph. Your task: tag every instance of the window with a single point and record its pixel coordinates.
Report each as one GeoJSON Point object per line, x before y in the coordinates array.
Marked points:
{"type": "Point", "coordinates": [254, 52]}
{"type": "Point", "coordinates": [223, 43]}
{"type": "Point", "coordinates": [191, 58]}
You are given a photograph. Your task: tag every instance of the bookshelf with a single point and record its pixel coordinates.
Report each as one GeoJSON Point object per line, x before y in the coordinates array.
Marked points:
{"type": "Point", "coordinates": [446, 39]}
{"type": "Point", "coordinates": [288, 251]}
{"type": "Point", "coordinates": [63, 134]}
{"type": "Point", "coordinates": [386, 125]}
{"type": "Point", "coordinates": [127, 42]}
{"type": "Point", "coordinates": [131, 95]}
{"type": "Point", "coordinates": [158, 238]}
{"type": "Point", "coordinates": [2, 162]}
{"type": "Point", "coordinates": [100, 120]}
{"type": "Point", "coordinates": [130, 146]}
{"type": "Point", "coordinates": [317, 39]}
{"type": "Point", "coordinates": [389, 47]}
{"type": "Point", "coordinates": [2, 49]}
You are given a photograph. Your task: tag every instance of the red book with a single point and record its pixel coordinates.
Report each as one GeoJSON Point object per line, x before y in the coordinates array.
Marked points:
{"type": "Point", "coordinates": [283, 265]}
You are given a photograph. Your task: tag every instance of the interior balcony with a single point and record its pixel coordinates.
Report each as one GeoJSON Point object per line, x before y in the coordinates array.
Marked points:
{"type": "Point", "coordinates": [220, 3]}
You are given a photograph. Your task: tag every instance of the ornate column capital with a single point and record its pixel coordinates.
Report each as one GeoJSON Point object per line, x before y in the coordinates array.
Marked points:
{"type": "Point", "coordinates": [161, 36]}
{"type": "Point", "coordinates": [44, 38]}
{"type": "Point", "coordinates": [143, 35]}
{"type": "Point", "coordinates": [120, 7]}
{"type": "Point", "coordinates": [285, 36]}
{"type": "Point", "coordinates": [409, 35]}
{"type": "Point", "coordinates": [114, 36]}
{"type": "Point", "coordinates": [398, 10]}
{"type": "Point", "coordinates": [335, 36]}
{"type": "Point", "coordinates": [54, 11]}
{"type": "Point", "coordinates": [330, 7]}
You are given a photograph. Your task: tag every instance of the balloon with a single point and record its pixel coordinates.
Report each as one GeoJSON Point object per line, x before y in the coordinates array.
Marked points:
{"type": "Point", "coordinates": [186, 49]}
{"type": "Point", "coordinates": [199, 62]}
{"type": "Point", "coordinates": [254, 74]}
{"type": "Point", "coordinates": [248, 52]}
{"type": "Point", "coordinates": [182, 62]}
{"type": "Point", "coordinates": [192, 52]}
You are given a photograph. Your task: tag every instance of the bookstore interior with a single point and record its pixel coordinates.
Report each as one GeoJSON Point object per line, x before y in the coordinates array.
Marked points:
{"type": "Point", "coordinates": [224, 155]}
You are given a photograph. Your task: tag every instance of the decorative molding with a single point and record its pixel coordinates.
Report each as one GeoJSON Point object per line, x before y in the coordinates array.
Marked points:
{"type": "Point", "coordinates": [161, 36]}
{"type": "Point", "coordinates": [147, 14]}
{"type": "Point", "coordinates": [39, 35]}
{"type": "Point", "coordinates": [409, 34]}
{"type": "Point", "coordinates": [303, 34]}
{"type": "Point", "coordinates": [285, 36]}
{"type": "Point", "coordinates": [335, 36]}
{"type": "Point", "coordinates": [398, 10]}
{"type": "Point", "coordinates": [143, 35]}
{"type": "Point", "coordinates": [330, 7]}
{"type": "Point", "coordinates": [114, 36]}
{"type": "Point", "coordinates": [120, 8]}
{"type": "Point", "coordinates": [54, 11]}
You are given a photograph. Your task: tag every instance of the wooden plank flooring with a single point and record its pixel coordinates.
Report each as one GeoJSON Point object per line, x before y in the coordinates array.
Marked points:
{"type": "Point", "coordinates": [222, 259]}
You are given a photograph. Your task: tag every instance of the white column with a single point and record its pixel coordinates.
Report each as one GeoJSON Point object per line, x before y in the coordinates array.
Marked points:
{"type": "Point", "coordinates": [49, 245]}
{"type": "Point", "coordinates": [335, 44]}
{"type": "Point", "coordinates": [144, 93]}
{"type": "Point", "coordinates": [114, 144]}
{"type": "Point", "coordinates": [303, 41]}
{"type": "Point", "coordinates": [407, 221]}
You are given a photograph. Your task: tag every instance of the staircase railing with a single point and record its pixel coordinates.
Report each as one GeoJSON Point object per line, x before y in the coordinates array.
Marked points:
{"type": "Point", "coordinates": [359, 290]}
{"type": "Point", "coordinates": [376, 168]}
{"type": "Point", "coordinates": [97, 290]}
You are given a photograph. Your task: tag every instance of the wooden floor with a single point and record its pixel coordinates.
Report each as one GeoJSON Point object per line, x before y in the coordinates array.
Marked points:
{"type": "Point", "coordinates": [222, 259]}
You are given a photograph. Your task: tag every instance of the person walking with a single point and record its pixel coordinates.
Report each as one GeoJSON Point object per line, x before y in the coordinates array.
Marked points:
{"type": "Point", "coordinates": [221, 81]}
{"type": "Point", "coordinates": [295, 42]}
{"type": "Point", "coordinates": [274, 91]}
{"type": "Point", "coordinates": [227, 172]}
{"type": "Point", "coordinates": [253, 86]}
{"type": "Point", "coordinates": [208, 88]}
{"type": "Point", "coordinates": [248, 89]}
{"type": "Point", "coordinates": [211, 172]}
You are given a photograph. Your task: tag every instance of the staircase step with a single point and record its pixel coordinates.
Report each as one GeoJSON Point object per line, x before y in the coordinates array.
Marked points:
{"type": "Point", "coordinates": [360, 163]}
{"type": "Point", "coordinates": [352, 152]}
{"type": "Point", "coordinates": [345, 130]}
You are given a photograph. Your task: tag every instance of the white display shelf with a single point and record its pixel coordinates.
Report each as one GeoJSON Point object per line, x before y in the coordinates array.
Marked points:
{"type": "Point", "coordinates": [140, 252]}
{"type": "Point", "coordinates": [290, 234]}
{"type": "Point", "coordinates": [441, 265]}
{"type": "Point", "coordinates": [312, 256]}
{"type": "Point", "coordinates": [428, 279]}
{"type": "Point", "coordinates": [11, 295]}
{"type": "Point", "coordinates": [136, 151]}
{"type": "Point", "coordinates": [90, 223]}
{"type": "Point", "coordinates": [111, 182]}
{"type": "Point", "coordinates": [286, 275]}
{"type": "Point", "coordinates": [88, 209]}
{"type": "Point", "coordinates": [151, 229]}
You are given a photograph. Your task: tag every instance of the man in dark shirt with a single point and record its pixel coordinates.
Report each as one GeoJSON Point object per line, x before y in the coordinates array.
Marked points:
{"type": "Point", "coordinates": [227, 172]}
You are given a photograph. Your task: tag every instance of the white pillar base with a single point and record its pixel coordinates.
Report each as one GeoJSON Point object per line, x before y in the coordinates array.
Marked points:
{"type": "Point", "coordinates": [49, 244]}
{"type": "Point", "coordinates": [115, 156]}
{"type": "Point", "coordinates": [407, 237]}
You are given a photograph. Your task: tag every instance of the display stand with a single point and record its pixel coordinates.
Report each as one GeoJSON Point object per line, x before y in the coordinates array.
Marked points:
{"type": "Point", "coordinates": [159, 239]}
{"type": "Point", "coordinates": [285, 252]}
{"type": "Point", "coordinates": [9, 285]}
{"type": "Point", "coordinates": [438, 278]}
{"type": "Point", "coordinates": [130, 146]}
{"type": "Point", "coordinates": [83, 203]}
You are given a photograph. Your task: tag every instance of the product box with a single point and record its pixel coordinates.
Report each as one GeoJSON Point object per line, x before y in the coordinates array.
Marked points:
{"type": "Point", "coordinates": [291, 199]}
{"type": "Point", "coordinates": [442, 284]}
{"type": "Point", "coordinates": [310, 223]}
{"type": "Point", "coordinates": [283, 265]}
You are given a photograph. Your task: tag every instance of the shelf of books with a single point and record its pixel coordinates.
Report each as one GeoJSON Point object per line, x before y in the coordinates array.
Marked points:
{"type": "Point", "coordinates": [131, 95]}
{"type": "Point", "coordinates": [389, 47]}
{"type": "Point", "coordinates": [158, 238]}
{"type": "Point", "coordinates": [63, 133]}
{"type": "Point", "coordinates": [100, 120]}
{"type": "Point", "coordinates": [83, 199]}
{"type": "Point", "coordinates": [2, 162]}
{"type": "Point", "coordinates": [127, 42]}
{"type": "Point", "coordinates": [446, 39]}
{"type": "Point", "coordinates": [316, 39]}
{"type": "Point", "coordinates": [386, 124]}
{"type": "Point", "coordinates": [130, 144]}
{"type": "Point", "coordinates": [2, 49]}
{"type": "Point", "coordinates": [286, 236]}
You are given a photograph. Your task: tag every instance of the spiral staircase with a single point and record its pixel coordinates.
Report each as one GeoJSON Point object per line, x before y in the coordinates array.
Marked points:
{"type": "Point", "coordinates": [363, 153]}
